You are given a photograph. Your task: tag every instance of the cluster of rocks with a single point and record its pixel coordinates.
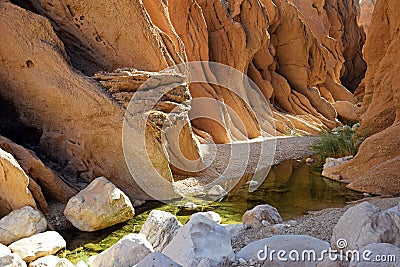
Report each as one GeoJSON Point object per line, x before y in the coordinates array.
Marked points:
{"type": "Point", "coordinates": [98, 206]}
{"type": "Point", "coordinates": [29, 242]}
{"type": "Point", "coordinates": [202, 241]}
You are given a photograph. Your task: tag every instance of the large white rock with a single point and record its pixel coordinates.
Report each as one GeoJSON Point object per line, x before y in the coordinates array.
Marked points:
{"type": "Point", "coordinates": [157, 259]}
{"type": "Point", "coordinates": [51, 261]}
{"type": "Point", "coordinates": [378, 254]}
{"type": "Point", "coordinates": [100, 205]}
{"type": "Point", "coordinates": [39, 245]}
{"type": "Point", "coordinates": [261, 253]}
{"type": "Point", "coordinates": [159, 228]}
{"type": "Point", "coordinates": [11, 260]}
{"type": "Point", "coordinates": [21, 223]}
{"type": "Point", "coordinates": [261, 215]}
{"type": "Point", "coordinates": [128, 251]}
{"type": "Point", "coordinates": [365, 224]}
{"type": "Point", "coordinates": [201, 242]}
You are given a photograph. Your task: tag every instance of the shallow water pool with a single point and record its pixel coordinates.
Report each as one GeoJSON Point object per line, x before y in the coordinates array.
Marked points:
{"type": "Point", "coordinates": [293, 187]}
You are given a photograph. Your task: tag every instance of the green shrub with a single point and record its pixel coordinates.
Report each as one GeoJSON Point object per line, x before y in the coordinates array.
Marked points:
{"type": "Point", "coordinates": [339, 142]}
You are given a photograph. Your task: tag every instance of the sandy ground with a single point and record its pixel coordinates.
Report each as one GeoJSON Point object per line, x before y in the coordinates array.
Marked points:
{"type": "Point", "coordinates": [318, 224]}
{"type": "Point", "coordinates": [226, 163]}
{"type": "Point", "coordinates": [293, 147]}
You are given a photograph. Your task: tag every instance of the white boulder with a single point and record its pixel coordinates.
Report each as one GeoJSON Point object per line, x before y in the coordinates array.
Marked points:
{"type": "Point", "coordinates": [201, 242]}
{"type": "Point", "coordinates": [377, 254]}
{"type": "Point", "coordinates": [20, 223]}
{"type": "Point", "coordinates": [100, 205]}
{"type": "Point", "coordinates": [159, 228]}
{"type": "Point", "coordinates": [365, 224]}
{"type": "Point", "coordinates": [284, 250]}
{"type": "Point", "coordinates": [128, 251]}
{"type": "Point", "coordinates": [39, 245]}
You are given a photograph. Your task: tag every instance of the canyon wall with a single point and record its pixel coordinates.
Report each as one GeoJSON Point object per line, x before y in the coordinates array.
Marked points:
{"type": "Point", "coordinates": [375, 169]}
{"type": "Point", "coordinates": [366, 10]}
{"type": "Point", "coordinates": [69, 68]}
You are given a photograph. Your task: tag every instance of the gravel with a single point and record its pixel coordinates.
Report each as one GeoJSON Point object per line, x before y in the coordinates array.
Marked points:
{"type": "Point", "coordinates": [231, 161]}
{"type": "Point", "coordinates": [294, 147]}
{"type": "Point", "coordinates": [318, 224]}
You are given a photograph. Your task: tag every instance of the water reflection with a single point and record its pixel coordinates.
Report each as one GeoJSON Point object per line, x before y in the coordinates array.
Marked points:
{"type": "Point", "coordinates": [294, 188]}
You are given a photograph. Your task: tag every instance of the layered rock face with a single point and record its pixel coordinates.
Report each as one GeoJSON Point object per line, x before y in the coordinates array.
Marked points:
{"type": "Point", "coordinates": [302, 56]}
{"type": "Point", "coordinates": [375, 168]}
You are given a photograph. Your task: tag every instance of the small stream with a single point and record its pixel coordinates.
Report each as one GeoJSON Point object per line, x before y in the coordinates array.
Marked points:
{"type": "Point", "coordinates": [293, 187]}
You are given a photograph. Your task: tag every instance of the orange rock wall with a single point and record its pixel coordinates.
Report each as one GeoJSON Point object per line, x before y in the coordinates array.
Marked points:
{"type": "Point", "coordinates": [376, 167]}
{"type": "Point", "coordinates": [301, 55]}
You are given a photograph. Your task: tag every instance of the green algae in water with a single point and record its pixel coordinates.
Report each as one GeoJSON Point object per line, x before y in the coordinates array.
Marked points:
{"type": "Point", "coordinates": [294, 188]}
{"type": "Point", "coordinates": [80, 245]}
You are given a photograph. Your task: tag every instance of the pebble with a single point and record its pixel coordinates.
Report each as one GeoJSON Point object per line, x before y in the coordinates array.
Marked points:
{"type": "Point", "coordinates": [309, 160]}
{"type": "Point", "coordinates": [191, 206]}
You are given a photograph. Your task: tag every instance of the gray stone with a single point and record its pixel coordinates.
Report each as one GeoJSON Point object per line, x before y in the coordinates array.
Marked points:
{"type": "Point", "coordinates": [332, 162]}
{"type": "Point", "coordinates": [201, 242]}
{"type": "Point", "coordinates": [262, 250]}
{"type": "Point", "coordinates": [157, 259]}
{"type": "Point", "coordinates": [159, 228]}
{"type": "Point", "coordinates": [365, 224]}
{"type": "Point", "coordinates": [377, 255]}
{"type": "Point", "coordinates": [39, 245]}
{"type": "Point", "coordinates": [20, 223]}
{"type": "Point", "coordinates": [128, 251]}
{"type": "Point", "coordinates": [260, 213]}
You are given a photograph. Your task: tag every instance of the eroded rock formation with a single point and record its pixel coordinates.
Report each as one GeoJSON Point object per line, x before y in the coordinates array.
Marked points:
{"type": "Point", "coordinates": [375, 167]}
{"type": "Point", "coordinates": [302, 56]}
